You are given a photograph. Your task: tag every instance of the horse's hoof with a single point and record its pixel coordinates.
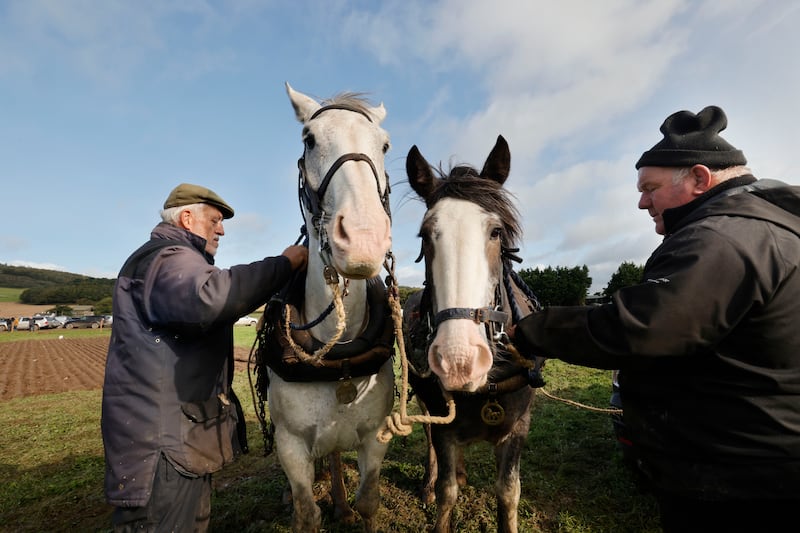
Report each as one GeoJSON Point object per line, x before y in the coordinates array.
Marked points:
{"type": "Point", "coordinates": [345, 516]}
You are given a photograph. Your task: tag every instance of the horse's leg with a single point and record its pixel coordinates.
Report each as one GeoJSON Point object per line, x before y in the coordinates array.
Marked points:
{"type": "Point", "coordinates": [299, 468]}
{"type": "Point", "coordinates": [320, 474]}
{"type": "Point", "coordinates": [507, 486]}
{"type": "Point", "coordinates": [342, 512]}
{"type": "Point", "coordinates": [428, 492]}
{"type": "Point", "coordinates": [368, 498]}
{"type": "Point", "coordinates": [447, 453]}
{"type": "Point", "coordinates": [461, 469]}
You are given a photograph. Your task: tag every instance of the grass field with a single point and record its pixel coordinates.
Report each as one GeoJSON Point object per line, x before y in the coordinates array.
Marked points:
{"type": "Point", "coordinates": [573, 479]}
{"type": "Point", "coordinates": [10, 295]}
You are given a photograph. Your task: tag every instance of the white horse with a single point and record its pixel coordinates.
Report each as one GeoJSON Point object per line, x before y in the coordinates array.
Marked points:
{"type": "Point", "coordinates": [344, 193]}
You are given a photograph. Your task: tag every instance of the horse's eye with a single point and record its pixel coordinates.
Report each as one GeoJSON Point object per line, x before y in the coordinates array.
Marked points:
{"type": "Point", "coordinates": [385, 148]}
{"type": "Point", "coordinates": [309, 142]}
{"type": "Point", "coordinates": [497, 233]}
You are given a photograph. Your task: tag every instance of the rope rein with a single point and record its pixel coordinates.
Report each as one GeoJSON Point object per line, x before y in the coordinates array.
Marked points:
{"type": "Point", "coordinates": [528, 364]}
{"type": "Point", "coordinates": [581, 405]}
{"type": "Point", "coordinates": [400, 422]}
{"type": "Point", "coordinates": [320, 353]}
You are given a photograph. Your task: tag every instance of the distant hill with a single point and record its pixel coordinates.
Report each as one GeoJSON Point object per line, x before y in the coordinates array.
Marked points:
{"type": "Point", "coordinates": [53, 287]}
{"type": "Point", "coordinates": [26, 278]}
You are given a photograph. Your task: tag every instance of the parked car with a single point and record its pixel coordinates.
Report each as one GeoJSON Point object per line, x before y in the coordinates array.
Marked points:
{"type": "Point", "coordinates": [38, 322]}
{"type": "Point", "coordinates": [108, 320]}
{"type": "Point", "coordinates": [4, 325]}
{"type": "Point", "coordinates": [93, 322]}
{"type": "Point", "coordinates": [246, 321]}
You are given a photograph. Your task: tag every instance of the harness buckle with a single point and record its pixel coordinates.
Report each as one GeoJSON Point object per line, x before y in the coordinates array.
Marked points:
{"type": "Point", "coordinates": [330, 274]}
{"type": "Point", "coordinates": [501, 337]}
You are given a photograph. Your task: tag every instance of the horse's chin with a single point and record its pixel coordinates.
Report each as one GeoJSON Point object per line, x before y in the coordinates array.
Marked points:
{"type": "Point", "coordinates": [357, 269]}
{"type": "Point", "coordinates": [461, 386]}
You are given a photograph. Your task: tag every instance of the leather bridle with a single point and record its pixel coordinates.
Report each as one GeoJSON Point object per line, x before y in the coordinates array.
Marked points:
{"type": "Point", "coordinates": [312, 199]}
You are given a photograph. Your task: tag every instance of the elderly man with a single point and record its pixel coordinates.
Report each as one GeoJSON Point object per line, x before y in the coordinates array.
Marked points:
{"type": "Point", "coordinates": [707, 344]}
{"type": "Point", "coordinates": [169, 414]}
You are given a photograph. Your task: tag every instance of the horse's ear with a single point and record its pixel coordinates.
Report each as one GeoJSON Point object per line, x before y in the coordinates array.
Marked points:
{"type": "Point", "coordinates": [379, 113]}
{"type": "Point", "coordinates": [419, 174]}
{"type": "Point", "coordinates": [498, 164]}
{"type": "Point", "coordinates": [303, 105]}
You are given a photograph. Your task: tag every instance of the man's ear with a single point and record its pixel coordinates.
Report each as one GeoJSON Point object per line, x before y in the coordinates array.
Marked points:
{"type": "Point", "coordinates": [185, 219]}
{"type": "Point", "coordinates": [703, 178]}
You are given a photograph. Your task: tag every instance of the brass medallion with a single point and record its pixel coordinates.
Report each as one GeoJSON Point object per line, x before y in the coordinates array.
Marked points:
{"type": "Point", "coordinates": [492, 413]}
{"type": "Point", "coordinates": [346, 392]}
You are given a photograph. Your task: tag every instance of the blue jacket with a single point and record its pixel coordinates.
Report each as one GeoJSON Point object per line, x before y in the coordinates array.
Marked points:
{"type": "Point", "coordinates": [168, 370]}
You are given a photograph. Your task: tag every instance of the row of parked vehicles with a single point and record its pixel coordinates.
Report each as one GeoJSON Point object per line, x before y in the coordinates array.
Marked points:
{"type": "Point", "coordinates": [37, 322]}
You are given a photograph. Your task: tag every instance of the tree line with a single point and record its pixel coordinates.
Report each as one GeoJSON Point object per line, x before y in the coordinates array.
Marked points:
{"type": "Point", "coordinates": [570, 286]}
{"type": "Point", "coordinates": [552, 285]}
{"type": "Point", "coordinates": [565, 285]}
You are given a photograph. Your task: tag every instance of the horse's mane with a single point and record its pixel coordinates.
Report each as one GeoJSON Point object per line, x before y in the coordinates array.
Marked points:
{"type": "Point", "coordinates": [464, 183]}
{"type": "Point", "coordinates": [357, 101]}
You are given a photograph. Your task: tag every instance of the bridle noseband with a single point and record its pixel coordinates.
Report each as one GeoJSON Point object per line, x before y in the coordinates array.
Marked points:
{"type": "Point", "coordinates": [480, 315]}
{"type": "Point", "coordinates": [493, 317]}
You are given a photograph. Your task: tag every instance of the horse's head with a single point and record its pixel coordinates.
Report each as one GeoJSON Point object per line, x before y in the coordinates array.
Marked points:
{"type": "Point", "coordinates": [343, 183]}
{"type": "Point", "coordinates": [470, 219]}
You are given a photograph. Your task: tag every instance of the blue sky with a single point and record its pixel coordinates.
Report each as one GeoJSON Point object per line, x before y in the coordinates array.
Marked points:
{"type": "Point", "coordinates": [107, 105]}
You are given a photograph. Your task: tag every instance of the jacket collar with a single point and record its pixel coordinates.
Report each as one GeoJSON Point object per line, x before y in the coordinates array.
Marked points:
{"type": "Point", "coordinates": [675, 215]}
{"type": "Point", "coordinates": [167, 231]}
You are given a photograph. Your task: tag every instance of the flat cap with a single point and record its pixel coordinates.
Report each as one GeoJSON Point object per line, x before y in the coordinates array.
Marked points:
{"type": "Point", "coordinates": [188, 193]}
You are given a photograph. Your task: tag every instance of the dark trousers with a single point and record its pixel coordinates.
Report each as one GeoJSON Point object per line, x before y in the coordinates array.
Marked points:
{"type": "Point", "coordinates": [178, 504]}
{"type": "Point", "coordinates": [680, 514]}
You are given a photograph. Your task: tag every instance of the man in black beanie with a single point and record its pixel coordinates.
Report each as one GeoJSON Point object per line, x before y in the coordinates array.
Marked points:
{"type": "Point", "coordinates": [707, 344]}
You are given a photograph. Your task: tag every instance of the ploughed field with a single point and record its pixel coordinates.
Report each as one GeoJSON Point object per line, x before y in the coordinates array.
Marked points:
{"type": "Point", "coordinates": [43, 366]}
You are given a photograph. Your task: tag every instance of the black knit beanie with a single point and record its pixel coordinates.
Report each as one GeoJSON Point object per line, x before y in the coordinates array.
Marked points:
{"type": "Point", "coordinates": [691, 139]}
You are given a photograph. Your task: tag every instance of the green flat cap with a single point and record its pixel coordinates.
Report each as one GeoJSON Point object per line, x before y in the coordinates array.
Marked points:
{"type": "Point", "coordinates": [187, 193]}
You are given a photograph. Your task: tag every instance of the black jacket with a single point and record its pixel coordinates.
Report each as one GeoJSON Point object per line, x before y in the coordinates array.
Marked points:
{"type": "Point", "coordinates": [708, 345]}
{"type": "Point", "coordinates": [169, 360]}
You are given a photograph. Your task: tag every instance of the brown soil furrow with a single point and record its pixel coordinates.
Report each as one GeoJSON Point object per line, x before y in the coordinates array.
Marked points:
{"type": "Point", "coordinates": [42, 366]}
{"type": "Point", "coordinates": [84, 363]}
{"type": "Point", "coordinates": [30, 367]}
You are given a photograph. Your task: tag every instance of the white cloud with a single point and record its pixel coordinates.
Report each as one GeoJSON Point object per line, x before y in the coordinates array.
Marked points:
{"type": "Point", "coordinates": [578, 88]}
{"type": "Point", "coordinates": [44, 266]}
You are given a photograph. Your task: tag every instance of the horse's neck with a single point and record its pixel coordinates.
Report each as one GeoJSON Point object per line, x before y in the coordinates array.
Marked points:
{"type": "Point", "coordinates": [319, 295]}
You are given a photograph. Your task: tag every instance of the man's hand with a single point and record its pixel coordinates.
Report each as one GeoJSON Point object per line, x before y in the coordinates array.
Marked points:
{"type": "Point", "coordinates": [298, 256]}
{"type": "Point", "coordinates": [511, 330]}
